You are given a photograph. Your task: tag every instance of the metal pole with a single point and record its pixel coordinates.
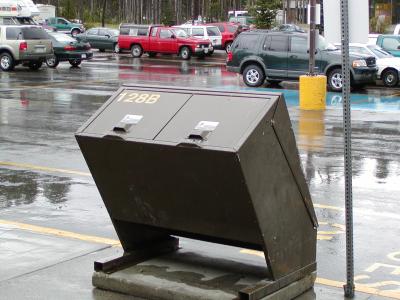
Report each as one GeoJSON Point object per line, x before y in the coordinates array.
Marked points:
{"type": "Point", "coordinates": [349, 287]}
{"type": "Point", "coordinates": [312, 37]}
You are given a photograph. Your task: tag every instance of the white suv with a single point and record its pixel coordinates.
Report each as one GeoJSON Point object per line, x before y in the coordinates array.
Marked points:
{"type": "Point", "coordinates": [204, 32]}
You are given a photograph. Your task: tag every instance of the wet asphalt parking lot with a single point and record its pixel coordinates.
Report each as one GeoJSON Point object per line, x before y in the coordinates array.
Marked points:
{"type": "Point", "coordinates": [53, 224]}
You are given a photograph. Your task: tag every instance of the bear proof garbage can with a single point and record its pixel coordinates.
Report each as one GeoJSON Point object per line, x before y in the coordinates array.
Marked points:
{"type": "Point", "coordinates": [211, 165]}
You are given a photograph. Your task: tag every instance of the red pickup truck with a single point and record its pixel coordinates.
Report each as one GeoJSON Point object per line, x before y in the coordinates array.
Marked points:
{"type": "Point", "coordinates": [155, 39]}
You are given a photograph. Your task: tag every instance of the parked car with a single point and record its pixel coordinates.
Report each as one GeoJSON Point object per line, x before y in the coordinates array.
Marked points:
{"type": "Point", "coordinates": [141, 39]}
{"type": "Point", "coordinates": [28, 45]}
{"type": "Point", "coordinates": [388, 65]}
{"type": "Point", "coordinates": [101, 38]}
{"type": "Point", "coordinates": [243, 20]}
{"type": "Point", "coordinates": [227, 30]}
{"type": "Point", "coordinates": [204, 32]}
{"type": "Point", "coordinates": [66, 48]}
{"type": "Point", "coordinates": [276, 56]}
{"type": "Point", "coordinates": [65, 26]}
{"type": "Point", "coordinates": [288, 28]}
{"type": "Point", "coordinates": [390, 43]}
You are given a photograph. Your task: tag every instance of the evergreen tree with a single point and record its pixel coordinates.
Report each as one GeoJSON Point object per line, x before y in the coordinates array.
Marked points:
{"type": "Point", "coordinates": [264, 12]}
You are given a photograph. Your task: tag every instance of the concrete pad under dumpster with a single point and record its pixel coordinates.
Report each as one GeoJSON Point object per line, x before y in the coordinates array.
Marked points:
{"type": "Point", "coordinates": [217, 166]}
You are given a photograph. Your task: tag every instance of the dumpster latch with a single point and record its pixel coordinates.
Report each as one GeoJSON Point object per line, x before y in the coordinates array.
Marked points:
{"type": "Point", "coordinates": [126, 123]}
{"type": "Point", "coordinates": [202, 130]}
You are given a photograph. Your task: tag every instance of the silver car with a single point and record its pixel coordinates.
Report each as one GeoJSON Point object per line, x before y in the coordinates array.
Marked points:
{"type": "Point", "coordinates": [28, 45]}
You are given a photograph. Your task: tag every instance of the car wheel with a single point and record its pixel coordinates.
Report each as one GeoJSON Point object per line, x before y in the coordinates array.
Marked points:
{"type": "Point", "coordinates": [253, 76]}
{"type": "Point", "coordinates": [152, 54]}
{"type": "Point", "coordinates": [75, 32]}
{"type": "Point", "coordinates": [116, 48]}
{"type": "Point", "coordinates": [209, 53]}
{"type": "Point", "coordinates": [102, 50]}
{"type": "Point", "coordinates": [75, 62]}
{"type": "Point", "coordinates": [390, 78]}
{"type": "Point", "coordinates": [136, 51]}
{"type": "Point", "coordinates": [6, 62]}
{"type": "Point", "coordinates": [184, 53]}
{"type": "Point", "coordinates": [52, 62]}
{"type": "Point", "coordinates": [35, 65]}
{"type": "Point", "coordinates": [228, 47]}
{"type": "Point", "coordinates": [335, 80]}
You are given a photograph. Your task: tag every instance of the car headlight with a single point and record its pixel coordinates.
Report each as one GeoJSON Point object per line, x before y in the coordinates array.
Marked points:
{"type": "Point", "coordinates": [359, 63]}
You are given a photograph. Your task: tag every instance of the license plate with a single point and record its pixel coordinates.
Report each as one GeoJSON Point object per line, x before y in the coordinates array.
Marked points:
{"type": "Point", "coordinates": [40, 50]}
{"type": "Point", "coordinates": [83, 56]}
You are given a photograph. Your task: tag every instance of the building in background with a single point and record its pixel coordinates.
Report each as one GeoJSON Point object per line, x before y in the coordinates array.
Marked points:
{"type": "Point", "coordinates": [389, 10]}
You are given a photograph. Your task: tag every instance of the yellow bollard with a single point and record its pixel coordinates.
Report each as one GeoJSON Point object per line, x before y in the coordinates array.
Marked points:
{"type": "Point", "coordinates": [312, 92]}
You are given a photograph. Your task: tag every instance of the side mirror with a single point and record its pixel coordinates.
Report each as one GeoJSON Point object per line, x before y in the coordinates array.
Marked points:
{"type": "Point", "coordinates": [173, 36]}
{"type": "Point", "coordinates": [108, 36]}
{"type": "Point", "coordinates": [398, 47]}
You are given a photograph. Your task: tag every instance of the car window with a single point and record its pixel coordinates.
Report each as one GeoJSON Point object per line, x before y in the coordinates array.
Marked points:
{"type": "Point", "coordinates": [278, 43]}
{"type": "Point", "coordinates": [61, 21]}
{"type": "Point", "coordinates": [63, 37]}
{"type": "Point", "coordinates": [180, 33]}
{"type": "Point", "coordinates": [124, 30]}
{"type": "Point", "coordinates": [34, 33]}
{"type": "Point", "coordinates": [14, 33]}
{"type": "Point", "coordinates": [247, 41]}
{"type": "Point", "coordinates": [114, 32]}
{"type": "Point", "coordinates": [165, 34]}
{"type": "Point", "coordinates": [390, 44]}
{"type": "Point", "coordinates": [103, 32]}
{"type": "Point", "coordinates": [213, 31]}
{"type": "Point", "coordinates": [143, 31]}
{"type": "Point", "coordinates": [92, 31]}
{"type": "Point", "coordinates": [197, 32]}
{"type": "Point", "coordinates": [232, 28]}
{"type": "Point", "coordinates": [221, 28]}
{"type": "Point", "coordinates": [298, 45]}
{"type": "Point", "coordinates": [154, 32]}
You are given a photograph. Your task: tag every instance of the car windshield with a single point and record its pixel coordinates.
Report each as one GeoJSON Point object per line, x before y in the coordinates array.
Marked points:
{"type": "Point", "coordinates": [114, 32]}
{"type": "Point", "coordinates": [180, 33]}
{"type": "Point", "coordinates": [60, 37]}
{"type": "Point", "coordinates": [324, 45]}
{"type": "Point", "coordinates": [379, 52]}
{"type": "Point", "coordinates": [213, 31]}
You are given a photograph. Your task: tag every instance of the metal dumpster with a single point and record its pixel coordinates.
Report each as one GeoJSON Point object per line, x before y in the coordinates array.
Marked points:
{"type": "Point", "coordinates": [216, 166]}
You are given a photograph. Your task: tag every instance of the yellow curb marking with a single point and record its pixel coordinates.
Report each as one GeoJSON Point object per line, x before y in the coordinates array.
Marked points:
{"type": "Point", "coordinates": [60, 233]}
{"type": "Point", "coordinates": [41, 168]}
{"type": "Point", "coordinates": [364, 288]}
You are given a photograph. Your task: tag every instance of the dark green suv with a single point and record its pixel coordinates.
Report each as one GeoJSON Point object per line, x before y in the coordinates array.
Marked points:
{"type": "Point", "coordinates": [276, 56]}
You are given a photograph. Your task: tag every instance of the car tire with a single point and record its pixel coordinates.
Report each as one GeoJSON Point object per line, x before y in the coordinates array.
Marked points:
{"type": "Point", "coordinates": [75, 62]}
{"type": "Point", "coordinates": [116, 48]}
{"type": "Point", "coordinates": [35, 65]}
{"type": "Point", "coordinates": [52, 62]}
{"type": "Point", "coordinates": [209, 53]}
{"type": "Point", "coordinates": [75, 32]}
{"type": "Point", "coordinates": [136, 51]}
{"type": "Point", "coordinates": [6, 62]}
{"type": "Point", "coordinates": [152, 54]}
{"type": "Point", "coordinates": [185, 53]}
{"type": "Point", "coordinates": [102, 50]}
{"type": "Point", "coordinates": [335, 80]}
{"type": "Point", "coordinates": [228, 47]}
{"type": "Point", "coordinates": [253, 76]}
{"type": "Point", "coordinates": [390, 78]}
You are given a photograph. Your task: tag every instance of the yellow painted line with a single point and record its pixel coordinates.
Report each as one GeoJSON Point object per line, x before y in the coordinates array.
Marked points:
{"type": "Point", "coordinates": [60, 233]}
{"type": "Point", "coordinates": [364, 288]}
{"type": "Point", "coordinates": [41, 168]}
{"type": "Point", "coordinates": [328, 207]}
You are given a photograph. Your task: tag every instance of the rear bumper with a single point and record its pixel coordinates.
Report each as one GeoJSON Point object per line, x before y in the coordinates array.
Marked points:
{"type": "Point", "coordinates": [233, 69]}
{"type": "Point", "coordinates": [74, 56]}
{"type": "Point", "coordinates": [25, 57]}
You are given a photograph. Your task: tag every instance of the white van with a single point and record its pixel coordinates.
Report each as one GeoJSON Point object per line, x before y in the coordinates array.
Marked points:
{"type": "Point", "coordinates": [204, 32]}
